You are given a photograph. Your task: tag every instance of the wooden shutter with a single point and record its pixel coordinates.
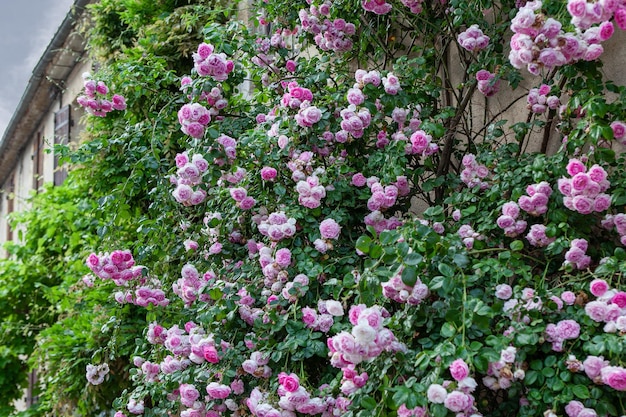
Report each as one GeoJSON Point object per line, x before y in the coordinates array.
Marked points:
{"type": "Point", "coordinates": [38, 147]}
{"type": "Point", "coordinates": [61, 137]}
{"type": "Point", "coordinates": [10, 204]}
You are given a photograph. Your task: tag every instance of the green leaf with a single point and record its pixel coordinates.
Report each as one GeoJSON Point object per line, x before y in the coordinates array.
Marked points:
{"type": "Point", "coordinates": [448, 330]}
{"type": "Point", "coordinates": [409, 275]}
{"type": "Point", "coordinates": [517, 245]}
{"type": "Point", "coordinates": [446, 270]}
{"type": "Point", "coordinates": [363, 244]}
{"type": "Point", "coordinates": [368, 402]}
{"type": "Point", "coordinates": [581, 391]}
{"type": "Point", "coordinates": [412, 258]}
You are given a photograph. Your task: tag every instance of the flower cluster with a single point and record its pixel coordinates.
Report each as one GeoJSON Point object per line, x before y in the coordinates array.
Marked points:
{"type": "Point", "coordinates": [585, 14]}
{"type": "Point", "coordinates": [415, 6]}
{"type": "Point", "coordinates": [508, 220]}
{"type": "Point", "coordinates": [322, 319]}
{"type": "Point", "coordinates": [502, 373]}
{"type": "Point", "coordinates": [421, 144]}
{"type": "Point", "coordinates": [308, 115]}
{"type": "Point", "coordinates": [310, 192]}
{"type": "Point", "coordinates": [619, 222]}
{"type": "Point", "coordinates": [188, 175]}
{"type": "Point", "coordinates": [609, 307]}
{"type": "Point", "coordinates": [367, 339]}
{"type": "Point", "coordinates": [190, 285]}
{"type": "Point", "coordinates": [537, 236]}
{"type": "Point", "coordinates": [474, 173]}
{"type": "Point", "coordinates": [149, 292]}
{"type": "Point", "coordinates": [353, 122]}
{"type": "Point", "coordinates": [539, 42]}
{"type": "Point", "coordinates": [329, 230]}
{"type": "Point", "coordinates": [391, 84]}
{"type": "Point", "coordinates": [577, 409]}
{"type": "Point", "coordinates": [584, 191]}
{"type": "Point", "coordinates": [295, 95]}
{"type": "Point", "coordinates": [328, 35]}
{"type": "Point", "coordinates": [376, 6]}
{"type": "Point", "coordinates": [563, 330]}
{"type": "Point", "coordinates": [473, 39]}
{"type": "Point", "coordinates": [459, 400]}
{"type": "Point", "coordinates": [535, 202]}
{"type": "Point", "coordinates": [383, 197]}
{"type": "Point", "coordinates": [193, 118]}
{"type": "Point", "coordinates": [210, 64]}
{"type": "Point", "coordinates": [277, 226]}
{"type": "Point", "coordinates": [95, 100]}
{"type": "Point", "coordinates": [539, 101]}
{"type": "Point", "coordinates": [242, 199]}
{"type": "Point", "coordinates": [468, 235]}
{"type": "Point", "coordinates": [576, 254]}
{"type": "Point", "coordinates": [395, 289]}
{"type": "Point", "coordinates": [95, 374]}
{"type": "Point", "coordinates": [118, 266]}
{"type": "Point", "coordinates": [488, 83]}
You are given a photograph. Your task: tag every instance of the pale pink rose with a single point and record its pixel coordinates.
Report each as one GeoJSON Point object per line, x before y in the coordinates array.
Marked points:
{"type": "Point", "coordinates": [457, 401]}
{"type": "Point", "coordinates": [436, 394]}
{"type": "Point", "coordinates": [596, 310]}
{"type": "Point", "coordinates": [329, 229]}
{"type": "Point", "coordinates": [504, 291]}
{"type": "Point", "coordinates": [334, 308]}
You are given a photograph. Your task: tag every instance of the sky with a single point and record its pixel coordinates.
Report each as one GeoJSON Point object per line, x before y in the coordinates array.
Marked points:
{"type": "Point", "coordinates": [26, 29]}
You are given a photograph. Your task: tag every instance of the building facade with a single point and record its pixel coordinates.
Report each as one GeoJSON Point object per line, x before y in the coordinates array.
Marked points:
{"type": "Point", "coordinates": [47, 114]}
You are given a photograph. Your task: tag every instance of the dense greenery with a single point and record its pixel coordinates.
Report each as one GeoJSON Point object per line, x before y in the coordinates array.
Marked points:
{"type": "Point", "coordinates": [371, 209]}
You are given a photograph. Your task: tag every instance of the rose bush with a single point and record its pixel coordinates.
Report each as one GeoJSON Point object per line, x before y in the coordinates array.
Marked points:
{"type": "Point", "coordinates": [357, 229]}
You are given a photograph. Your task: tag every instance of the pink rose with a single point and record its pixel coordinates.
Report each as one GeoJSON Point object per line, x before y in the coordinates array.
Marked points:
{"type": "Point", "coordinates": [268, 173]}
{"type": "Point", "coordinates": [615, 377]}
{"type": "Point", "coordinates": [504, 291]}
{"type": "Point", "coordinates": [456, 401]}
{"type": "Point", "coordinates": [210, 354]}
{"type": "Point", "coordinates": [598, 287]}
{"type": "Point", "coordinates": [619, 299]}
{"type": "Point", "coordinates": [218, 391]}
{"type": "Point", "coordinates": [329, 229]}
{"type": "Point", "coordinates": [459, 369]}
{"type": "Point", "coordinates": [290, 382]}
{"type": "Point", "coordinates": [188, 394]}
{"type": "Point", "coordinates": [575, 166]}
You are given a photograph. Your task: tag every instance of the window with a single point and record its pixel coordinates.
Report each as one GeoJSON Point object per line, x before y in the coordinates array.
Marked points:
{"type": "Point", "coordinates": [62, 124]}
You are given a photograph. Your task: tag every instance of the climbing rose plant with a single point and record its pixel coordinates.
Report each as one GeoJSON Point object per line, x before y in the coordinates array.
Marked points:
{"type": "Point", "coordinates": [366, 231]}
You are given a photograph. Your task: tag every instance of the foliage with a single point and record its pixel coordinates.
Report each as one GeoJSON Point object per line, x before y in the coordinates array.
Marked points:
{"type": "Point", "coordinates": [359, 214]}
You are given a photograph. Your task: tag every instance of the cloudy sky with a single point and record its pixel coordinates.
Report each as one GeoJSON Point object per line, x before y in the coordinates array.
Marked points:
{"type": "Point", "coordinates": [26, 29]}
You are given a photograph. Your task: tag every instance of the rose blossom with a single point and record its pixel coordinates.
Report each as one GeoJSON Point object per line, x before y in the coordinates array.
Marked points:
{"type": "Point", "coordinates": [615, 377]}
{"type": "Point", "coordinates": [504, 291]}
{"type": "Point", "coordinates": [457, 401]}
{"type": "Point", "coordinates": [436, 394]}
{"type": "Point", "coordinates": [218, 391]}
{"type": "Point", "coordinates": [330, 229]}
{"type": "Point", "coordinates": [598, 287]}
{"type": "Point", "coordinates": [459, 369]}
